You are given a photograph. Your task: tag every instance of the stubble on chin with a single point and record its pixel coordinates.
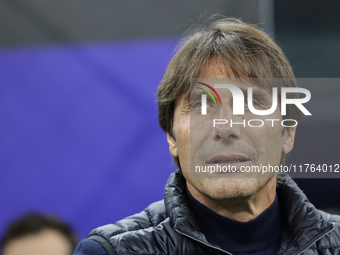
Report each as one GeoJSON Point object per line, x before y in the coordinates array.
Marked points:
{"type": "Point", "coordinates": [228, 188]}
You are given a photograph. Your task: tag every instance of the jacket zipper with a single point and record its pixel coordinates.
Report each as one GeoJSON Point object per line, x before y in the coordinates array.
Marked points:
{"type": "Point", "coordinates": [206, 244]}
{"type": "Point", "coordinates": [304, 247]}
{"type": "Point", "coordinates": [317, 238]}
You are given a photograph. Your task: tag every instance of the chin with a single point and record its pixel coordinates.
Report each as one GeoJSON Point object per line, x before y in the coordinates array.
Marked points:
{"type": "Point", "coordinates": [231, 188]}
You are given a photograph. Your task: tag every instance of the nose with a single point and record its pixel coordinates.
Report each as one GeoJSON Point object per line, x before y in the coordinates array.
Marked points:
{"type": "Point", "coordinates": [229, 126]}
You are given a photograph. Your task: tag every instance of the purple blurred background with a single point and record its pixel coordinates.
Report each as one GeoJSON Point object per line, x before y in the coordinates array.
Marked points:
{"type": "Point", "coordinates": [79, 135]}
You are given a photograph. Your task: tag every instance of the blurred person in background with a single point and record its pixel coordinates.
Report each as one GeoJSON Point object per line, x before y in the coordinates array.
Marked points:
{"type": "Point", "coordinates": [242, 215]}
{"type": "Point", "coordinates": [38, 234]}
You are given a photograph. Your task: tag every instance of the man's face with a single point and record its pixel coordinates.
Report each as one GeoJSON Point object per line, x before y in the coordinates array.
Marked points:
{"type": "Point", "coordinates": [198, 144]}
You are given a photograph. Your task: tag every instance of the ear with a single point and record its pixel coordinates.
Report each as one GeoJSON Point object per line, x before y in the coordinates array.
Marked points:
{"type": "Point", "coordinates": [289, 138]}
{"type": "Point", "coordinates": [172, 145]}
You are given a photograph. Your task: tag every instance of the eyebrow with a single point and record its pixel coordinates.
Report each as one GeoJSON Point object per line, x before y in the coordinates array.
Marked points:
{"type": "Point", "coordinates": [258, 94]}
{"type": "Point", "coordinates": [194, 95]}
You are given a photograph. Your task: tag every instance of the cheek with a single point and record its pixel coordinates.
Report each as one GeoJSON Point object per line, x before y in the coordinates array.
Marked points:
{"type": "Point", "coordinates": [182, 131]}
{"type": "Point", "coordinates": [271, 145]}
{"type": "Point", "coordinates": [183, 143]}
{"type": "Point", "coordinates": [272, 139]}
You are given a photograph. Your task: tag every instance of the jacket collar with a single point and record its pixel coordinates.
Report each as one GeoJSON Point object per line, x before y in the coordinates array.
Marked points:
{"type": "Point", "coordinates": [177, 207]}
{"type": "Point", "coordinates": [302, 221]}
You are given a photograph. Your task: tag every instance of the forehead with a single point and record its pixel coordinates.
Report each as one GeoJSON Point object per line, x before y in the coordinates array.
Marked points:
{"type": "Point", "coordinates": [215, 67]}
{"type": "Point", "coordinates": [216, 71]}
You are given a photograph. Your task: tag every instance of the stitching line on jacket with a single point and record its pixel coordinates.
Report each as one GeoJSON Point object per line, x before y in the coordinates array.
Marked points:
{"type": "Point", "coordinates": [150, 217]}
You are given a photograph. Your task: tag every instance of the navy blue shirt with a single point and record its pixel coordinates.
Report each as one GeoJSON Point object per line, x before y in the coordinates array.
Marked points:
{"type": "Point", "coordinates": [258, 236]}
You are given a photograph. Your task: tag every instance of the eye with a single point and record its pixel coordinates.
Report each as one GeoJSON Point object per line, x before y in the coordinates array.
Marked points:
{"type": "Point", "coordinates": [255, 102]}
{"type": "Point", "coordinates": [246, 102]}
{"type": "Point", "coordinates": [196, 105]}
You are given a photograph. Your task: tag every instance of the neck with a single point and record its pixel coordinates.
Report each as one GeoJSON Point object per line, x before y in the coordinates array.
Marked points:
{"type": "Point", "coordinates": [242, 209]}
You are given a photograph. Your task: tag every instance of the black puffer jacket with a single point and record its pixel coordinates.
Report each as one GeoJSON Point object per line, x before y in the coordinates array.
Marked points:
{"type": "Point", "coordinates": [169, 227]}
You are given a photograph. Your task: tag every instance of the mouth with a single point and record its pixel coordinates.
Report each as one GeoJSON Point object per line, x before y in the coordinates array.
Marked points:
{"type": "Point", "coordinates": [227, 159]}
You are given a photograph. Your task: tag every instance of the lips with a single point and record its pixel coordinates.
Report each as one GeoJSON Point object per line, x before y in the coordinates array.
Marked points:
{"type": "Point", "coordinates": [227, 159]}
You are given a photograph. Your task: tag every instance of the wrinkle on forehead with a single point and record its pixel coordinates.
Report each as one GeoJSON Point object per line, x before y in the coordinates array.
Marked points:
{"type": "Point", "coordinates": [215, 67]}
